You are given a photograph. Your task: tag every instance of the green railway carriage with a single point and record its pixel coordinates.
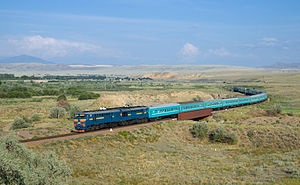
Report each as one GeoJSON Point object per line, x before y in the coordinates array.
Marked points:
{"type": "Point", "coordinates": [257, 96]}
{"type": "Point", "coordinates": [164, 110]}
{"type": "Point", "coordinates": [192, 106]}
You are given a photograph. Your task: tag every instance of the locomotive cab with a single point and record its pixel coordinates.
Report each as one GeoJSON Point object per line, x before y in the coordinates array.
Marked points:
{"type": "Point", "coordinates": [80, 122]}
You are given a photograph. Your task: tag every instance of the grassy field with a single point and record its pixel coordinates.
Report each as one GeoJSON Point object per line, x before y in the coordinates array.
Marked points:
{"type": "Point", "coordinates": [267, 152]}
{"type": "Point", "coordinates": [167, 153]}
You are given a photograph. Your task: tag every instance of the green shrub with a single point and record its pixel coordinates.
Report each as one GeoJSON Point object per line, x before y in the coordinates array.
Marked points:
{"type": "Point", "coordinates": [26, 119]}
{"type": "Point", "coordinates": [222, 136]}
{"type": "Point", "coordinates": [83, 97]}
{"type": "Point", "coordinates": [61, 97]}
{"type": "Point", "coordinates": [73, 109]}
{"type": "Point", "coordinates": [36, 117]}
{"type": "Point", "coordinates": [292, 172]}
{"type": "Point", "coordinates": [218, 116]}
{"type": "Point", "coordinates": [20, 165]}
{"type": "Point", "coordinates": [200, 130]}
{"type": "Point", "coordinates": [37, 100]}
{"type": "Point", "coordinates": [19, 123]}
{"type": "Point", "coordinates": [88, 95]}
{"type": "Point", "coordinates": [57, 112]}
{"type": "Point", "coordinates": [276, 108]}
{"type": "Point", "coordinates": [63, 103]}
{"type": "Point", "coordinates": [197, 98]}
{"type": "Point", "coordinates": [125, 134]}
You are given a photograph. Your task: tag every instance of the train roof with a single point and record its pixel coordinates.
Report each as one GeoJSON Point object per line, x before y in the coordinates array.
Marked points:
{"type": "Point", "coordinates": [164, 105]}
{"type": "Point", "coordinates": [190, 102]}
{"type": "Point", "coordinates": [196, 102]}
{"type": "Point", "coordinates": [117, 109]}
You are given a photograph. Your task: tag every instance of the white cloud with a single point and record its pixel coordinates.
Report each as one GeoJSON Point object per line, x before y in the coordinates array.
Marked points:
{"type": "Point", "coordinates": [48, 47]}
{"type": "Point", "coordinates": [269, 41]}
{"type": "Point", "coordinates": [189, 51]}
{"type": "Point", "coordinates": [219, 52]}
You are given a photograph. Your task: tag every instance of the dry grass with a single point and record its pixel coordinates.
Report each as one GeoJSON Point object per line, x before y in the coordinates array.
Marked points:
{"type": "Point", "coordinates": [148, 97]}
{"type": "Point", "coordinates": [168, 153]}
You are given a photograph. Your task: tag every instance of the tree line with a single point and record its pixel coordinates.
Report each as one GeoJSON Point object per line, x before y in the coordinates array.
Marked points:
{"type": "Point", "coordinates": [20, 91]}
{"type": "Point", "coordinates": [66, 77]}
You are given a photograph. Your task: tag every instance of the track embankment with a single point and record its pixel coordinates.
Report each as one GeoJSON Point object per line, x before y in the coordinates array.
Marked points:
{"type": "Point", "coordinates": [37, 141]}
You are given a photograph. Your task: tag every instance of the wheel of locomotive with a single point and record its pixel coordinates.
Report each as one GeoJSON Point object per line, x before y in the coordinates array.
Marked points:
{"type": "Point", "coordinates": [88, 128]}
{"type": "Point", "coordinates": [122, 123]}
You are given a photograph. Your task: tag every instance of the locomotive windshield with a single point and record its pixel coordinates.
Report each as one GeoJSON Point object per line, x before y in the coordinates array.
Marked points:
{"type": "Point", "coordinates": [80, 115]}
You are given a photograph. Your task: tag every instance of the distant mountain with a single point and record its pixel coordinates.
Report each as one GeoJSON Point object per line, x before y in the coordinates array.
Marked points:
{"type": "Point", "coordinates": [24, 59]}
{"type": "Point", "coordinates": [281, 65]}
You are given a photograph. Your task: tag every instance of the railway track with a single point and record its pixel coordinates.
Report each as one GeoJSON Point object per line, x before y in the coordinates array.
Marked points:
{"type": "Point", "coordinates": [37, 141]}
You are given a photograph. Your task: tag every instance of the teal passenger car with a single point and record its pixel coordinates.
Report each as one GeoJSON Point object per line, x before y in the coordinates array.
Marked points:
{"type": "Point", "coordinates": [164, 110]}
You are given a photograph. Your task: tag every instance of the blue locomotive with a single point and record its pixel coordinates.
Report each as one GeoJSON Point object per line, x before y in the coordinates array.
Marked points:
{"type": "Point", "coordinates": [91, 120]}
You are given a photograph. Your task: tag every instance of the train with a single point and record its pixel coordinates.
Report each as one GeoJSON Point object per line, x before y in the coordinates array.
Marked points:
{"type": "Point", "coordinates": [121, 116]}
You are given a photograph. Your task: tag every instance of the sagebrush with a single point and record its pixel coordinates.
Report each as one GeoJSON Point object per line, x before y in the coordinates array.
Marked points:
{"type": "Point", "coordinates": [200, 130]}
{"type": "Point", "coordinates": [57, 112]}
{"type": "Point", "coordinates": [19, 165]}
{"type": "Point", "coordinates": [222, 136]}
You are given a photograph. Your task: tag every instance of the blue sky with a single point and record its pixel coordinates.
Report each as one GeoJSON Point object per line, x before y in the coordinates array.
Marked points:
{"type": "Point", "coordinates": [131, 32]}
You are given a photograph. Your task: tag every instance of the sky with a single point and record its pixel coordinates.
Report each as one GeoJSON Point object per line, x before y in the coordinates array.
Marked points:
{"type": "Point", "coordinates": [169, 32]}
